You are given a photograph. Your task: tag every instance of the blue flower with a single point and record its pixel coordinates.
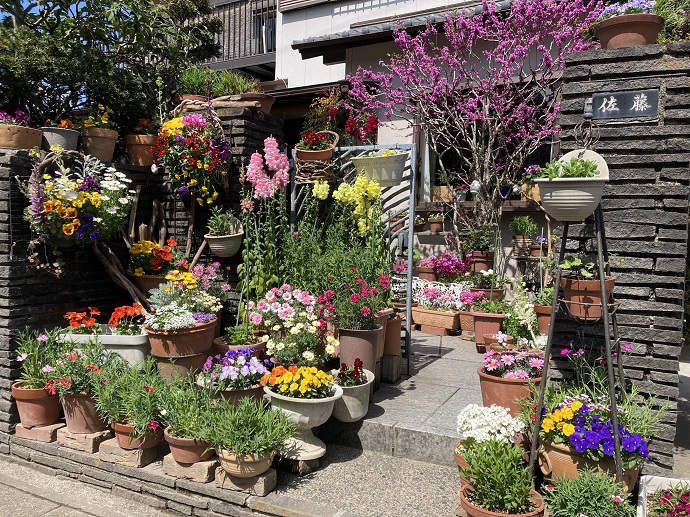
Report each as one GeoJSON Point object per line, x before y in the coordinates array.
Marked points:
{"type": "Point", "coordinates": [607, 446]}
{"type": "Point", "coordinates": [578, 442]}
{"type": "Point", "coordinates": [578, 421]}
{"type": "Point", "coordinates": [584, 410]}
{"type": "Point", "coordinates": [592, 440]}
{"type": "Point", "coordinates": [95, 236]}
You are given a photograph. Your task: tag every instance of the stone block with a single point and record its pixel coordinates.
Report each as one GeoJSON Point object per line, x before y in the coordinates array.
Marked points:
{"type": "Point", "coordinates": [111, 452]}
{"type": "Point", "coordinates": [459, 510]}
{"type": "Point", "coordinates": [45, 433]}
{"type": "Point", "coordinates": [300, 467]}
{"type": "Point", "coordinates": [201, 472]}
{"type": "Point", "coordinates": [257, 485]}
{"type": "Point", "coordinates": [391, 366]}
{"type": "Point", "coordinates": [82, 442]}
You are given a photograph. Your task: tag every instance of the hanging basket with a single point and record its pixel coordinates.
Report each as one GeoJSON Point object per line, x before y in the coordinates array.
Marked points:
{"type": "Point", "coordinates": [386, 170]}
{"type": "Point", "coordinates": [320, 154]}
{"type": "Point", "coordinates": [224, 246]}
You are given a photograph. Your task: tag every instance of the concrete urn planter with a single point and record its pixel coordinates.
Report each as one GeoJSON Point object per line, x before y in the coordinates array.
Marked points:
{"type": "Point", "coordinates": [354, 404]}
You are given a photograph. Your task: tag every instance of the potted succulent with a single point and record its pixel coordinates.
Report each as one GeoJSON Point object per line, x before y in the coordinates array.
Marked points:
{"type": "Point", "coordinates": [225, 233]}
{"type": "Point", "coordinates": [15, 132]}
{"type": "Point", "coordinates": [316, 145]}
{"type": "Point", "coordinates": [34, 391]}
{"type": "Point", "coordinates": [60, 132]}
{"type": "Point", "coordinates": [140, 143]}
{"type": "Point", "coordinates": [386, 166]}
{"type": "Point", "coordinates": [522, 227]}
{"type": "Point", "coordinates": [246, 437]}
{"type": "Point", "coordinates": [308, 404]}
{"type": "Point", "coordinates": [479, 244]}
{"type": "Point", "coordinates": [628, 24]}
{"type": "Point", "coordinates": [571, 187]}
{"type": "Point", "coordinates": [356, 384]}
{"type": "Point", "coordinates": [542, 307]}
{"type": "Point", "coordinates": [435, 221]}
{"type": "Point", "coordinates": [186, 409]}
{"type": "Point", "coordinates": [234, 375]}
{"type": "Point", "coordinates": [129, 398]}
{"type": "Point", "coordinates": [488, 316]}
{"type": "Point", "coordinates": [582, 289]}
{"type": "Point", "coordinates": [194, 83]}
{"type": "Point", "coordinates": [233, 83]}
{"type": "Point", "coordinates": [499, 482]}
{"type": "Point", "coordinates": [98, 137]}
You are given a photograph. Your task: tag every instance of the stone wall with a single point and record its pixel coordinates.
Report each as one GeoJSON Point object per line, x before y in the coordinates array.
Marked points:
{"type": "Point", "coordinates": [646, 212]}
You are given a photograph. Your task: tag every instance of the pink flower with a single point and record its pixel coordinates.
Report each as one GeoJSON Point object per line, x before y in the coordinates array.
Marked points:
{"type": "Point", "coordinates": [626, 347]}
{"type": "Point", "coordinates": [565, 351]}
{"type": "Point", "coordinates": [194, 120]}
{"type": "Point", "coordinates": [150, 389]}
{"type": "Point", "coordinates": [247, 206]}
{"type": "Point", "coordinates": [255, 318]}
{"type": "Point", "coordinates": [536, 362]}
{"type": "Point", "coordinates": [47, 369]}
{"type": "Point", "coordinates": [152, 425]}
{"type": "Point", "coordinates": [617, 498]}
{"type": "Point", "coordinates": [22, 357]}
{"type": "Point", "coordinates": [365, 311]}
{"type": "Point", "coordinates": [354, 298]}
{"type": "Point", "coordinates": [508, 359]}
{"type": "Point", "coordinates": [42, 338]}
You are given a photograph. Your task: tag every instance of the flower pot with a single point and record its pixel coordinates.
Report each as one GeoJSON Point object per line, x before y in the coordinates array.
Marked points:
{"type": "Point", "coordinates": [629, 30]}
{"type": "Point", "coordinates": [476, 511]}
{"type": "Point", "coordinates": [386, 170]}
{"type": "Point", "coordinates": [530, 192]}
{"type": "Point", "coordinates": [66, 138]}
{"type": "Point", "coordinates": [436, 226]}
{"type": "Point", "coordinates": [245, 465]}
{"type": "Point", "coordinates": [418, 227]}
{"type": "Point", "coordinates": [359, 344]}
{"type": "Point", "coordinates": [482, 261]}
{"type": "Point", "coordinates": [264, 99]}
{"type": "Point", "coordinates": [466, 321]}
{"type": "Point", "coordinates": [485, 323]}
{"type": "Point", "coordinates": [133, 349]}
{"type": "Point", "coordinates": [220, 347]}
{"type": "Point", "coordinates": [521, 245]}
{"type": "Point", "coordinates": [391, 344]}
{"type": "Point", "coordinates": [461, 463]}
{"type": "Point", "coordinates": [147, 282]}
{"type": "Point", "coordinates": [444, 319]}
{"type": "Point", "coordinates": [354, 404]}
{"type": "Point", "coordinates": [19, 137]}
{"type": "Point", "coordinates": [306, 414]}
{"type": "Point", "coordinates": [125, 439]}
{"type": "Point", "coordinates": [427, 273]}
{"type": "Point", "coordinates": [139, 149]}
{"type": "Point", "coordinates": [650, 484]}
{"type": "Point", "coordinates": [224, 246]}
{"type": "Point", "coordinates": [583, 297]}
{"type": "Point", "coordinates": [503, 392]}
{"type": "Point", "coordinates": [491, 341]}
{"type": "Point", "coordinates": [182, 342]}
{"type": "Point", "coordinates": [187, 450]}
{"type": "Point", "coordinates": [543, 318]}
{"type": "Point", "coordinates": [321, 155]}
{"type": "Point", "coordinates": [81, 416]}
{"type": "Point", "coordinates": [535, 250]}
{"type": "Point", "coordinates": [235, 395]}
{"type": "Point", "coordinates": [171, 367]}
{"type": "Point", "coordinates": [36, 407]}
{"type": "Point", "coordinates": [558, 460]}
{"type": "Point", "coordinates": [99, 142]}
{"type": "Point", "coordinates": [383, 322]}
{"type": "Point", "coordinates": [490, 294]}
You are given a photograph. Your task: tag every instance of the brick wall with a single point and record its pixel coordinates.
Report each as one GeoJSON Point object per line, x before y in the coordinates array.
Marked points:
{"type": "Point", "coordinates": [646, 212]}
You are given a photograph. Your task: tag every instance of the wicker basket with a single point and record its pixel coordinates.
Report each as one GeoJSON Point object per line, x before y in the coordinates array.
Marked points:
{"type": "Point", "coordinates": [442, 319]}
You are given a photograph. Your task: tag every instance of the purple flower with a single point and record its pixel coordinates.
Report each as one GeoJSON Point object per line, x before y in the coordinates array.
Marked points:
{"type": "Point", "coordinates": [220, 150]}
{"type": "Point", "coordinates": [95, 236]}
{"type": "Point", "coordinates": [203, 317]}
{"type": "Point", "coordinates": [89, 184]}
{"type": "Point", "coordinates": [183, 190]}
{"type": "Point", "coordinates": [179, 139]}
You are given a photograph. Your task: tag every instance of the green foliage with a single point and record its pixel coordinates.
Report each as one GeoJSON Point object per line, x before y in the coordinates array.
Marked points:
{"type": "Point", "coordinates": [480, 238]}
{"type": "Point", "coordinates": [579, 268]}
{"type": "Point", "coordinates": [671, 501]}
{"type": "Point", "coordinates": [491, 306]}
{"type": "Point", "coordinates": [248, 428]}
{"type": "Point", "coordinates": [676, 15]}
{"type": "Point", "coordinates": [36, 355]}
{"type": "Point", "coordinates": [196, 80]}
{"type": "Point", "coordinates": [591, 494]}
{"type": "Point", "coordinates": [574, 168]}
{"type": "Point", "coordinates": [499, 476]}
{"type": "Point", "coordinates": [223, 223]}
{"type": "Point", "coordinates": [544, 297]}
{"type": "Point", "coordinates": [512, 326]}
{"type": "Point", "coordinates": [240, 335]}
{"type": "Point", "coordinates": [231, 82]}
{"type": "Point", "coordinates": [185, 407]}
{"type": "Point", "coordinates": [78, 371]}
{"type": "Point", "coordinates": [523, 225]}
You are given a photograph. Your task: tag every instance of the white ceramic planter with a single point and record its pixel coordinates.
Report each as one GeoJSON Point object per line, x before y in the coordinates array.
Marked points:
{"type": "Point", "coordinates": [64, 137]}
{"type": "Point", "coordinates": [649, 485]}
{"type": "Point", "coordinates": [386, 170]}
{"type": "Point", "coordinates": [574, 199]}
{"type": "Point", "coordinates": [224, 245]}
{"type": "Point", "coordinates": [354, 404]}
{"type": "Point", "coordinates": [133, 349]}
{"type": "Point", "coordinates": [306, 414]}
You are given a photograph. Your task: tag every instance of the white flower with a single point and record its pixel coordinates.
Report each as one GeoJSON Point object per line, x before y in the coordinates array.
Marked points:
{"type": "Point", "coordinates": [111, 209]}
{"type": "Point", "coordinates": [123, 200]}
{"type": "Point", "coordinates": [280, 346]}
{"type": "Point", "coordinates": [330, 349]}
{"type": "Point", "coordinates": [484, 423]}
{"type": "Point", "coordinates": [308, 355]}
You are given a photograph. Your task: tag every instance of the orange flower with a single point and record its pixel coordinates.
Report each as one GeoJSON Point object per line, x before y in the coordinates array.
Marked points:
{"type": "Point", "coordinates": [48, 206]}
{"type": "Point", "coordinates": [264, 379]}
{"type": "Point", "coordinates": [171, 242]}
{"type": "Point", "coordinates": [76, 223]}
{"type": "Point", "coordinates": [94, 311]}
{"type": "Point", "coordinates": [88, 322]}
{"type": "Point", "coordinates": [73, 323]}
{"type": "Point", "coordinates": [63, 214]}
{"type": "Point", "coordinates": [68, 229]}
{"type": "Point", "coordinates": [292, 368]}
{"type": "Point", "coordinates": [71, 212]}
{"type": "Point", "coordinates": [113, 321]}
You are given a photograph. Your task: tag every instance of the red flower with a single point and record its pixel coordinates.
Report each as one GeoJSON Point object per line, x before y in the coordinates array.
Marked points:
{"type": "Point", "coordinates": [153, 425]}
{"type": "Point", "coordinates": [150, 389]}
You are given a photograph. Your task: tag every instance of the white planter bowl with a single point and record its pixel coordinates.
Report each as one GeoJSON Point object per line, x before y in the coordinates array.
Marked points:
{"type": "Point", "coordinates": [133, 349]}
{"type": "Point", "coordinates": [224, 245]}
{"type": "Point", "coordinates": [354, 404]}
{"type": "Point", "coordinates": [649, 485]}
{"type": "Point", "coordinates": [386, 170]}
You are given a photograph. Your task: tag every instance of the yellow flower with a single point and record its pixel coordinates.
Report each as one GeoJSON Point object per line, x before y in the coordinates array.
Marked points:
{"type": "Point", "coordinates": [68, 229]}
{"type": "Point", "coordinates": [89, 123]}
{"type": "Point", "coordinates": [557, 415]}
{"type": "Point", "coordinates": [294, 386]}
{"type": "Point", "coordinates": [321, 190]}
{"type": "Point", "coordinates": [138, 271]}
{"type": "Point", "coordinates": [172, 127]}
{"type": "Point", "coordinates": [200, 201]}
{"type": "Point", "coordinates": [547, 425]}
{"type": "Point", "coordinates": [568, 429]}
{"type": "Point", "coordinates": [576, 406]}
{"type": "Point", "coordinates": [567, 413]}
{"type": "Point", "coordinates": [192, 183]}
{"type": "Point", "coordinates": [283, 388]}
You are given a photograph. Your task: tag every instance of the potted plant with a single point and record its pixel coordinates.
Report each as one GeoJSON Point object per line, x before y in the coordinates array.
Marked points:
{"type": "Point", "coordinates": [241, 336]}
{"type": "Point", "coordinates": [539, 247]}
{"type": "Point", "coordinates": [140, 143]}
{"type": "Point", "coordinates": [479, 424]}
{"type": "Point", "coordinates": [488, 316]}
{"type": "Point", "coordinates": [59, 132]}
{"type": "Point", "coordinates": [426, 269]}
{"type": "Point", "coordinates": [186, 409]}
{"type": "Point", "coordinates": [308, 404]}
{"type": "Point", "coordinates": [499, 341]}
{"type": "Point", "coordinates": [571, 188]}
{"type": "Point", "coordinates": [129, 398]}
{"type": "Point", "coordinates": [34, 391]}
{"type": "Point", "coordinates": [225, 233]}
{"type": "Point", "coordinates": [479, 244]}
{"type": "Point", "coordinates": [15, 132]}
{"type": "Point", "coordinates": [662, 497]}
{"type": "Point", "coordinates": [356, 384]}
{"type": "Point", "coordinates": [150, 263]}
{"type": "Point", "coordinates": [233, 83]}
{"type": "Point", "coordinates": [234, 375]}
{"type": "Point", "coordinates": [582, 289]}
{"type": "Point", "coordinates": [467, 299]}
{"type": "Point", "coordinates": [499, 482]}
{"type": "Point", "coordinates": [628, 24]}
{"type": "Point", "coordinates": [435, 221]}
{"type": "Point", "coordinates": [488, 283]}
{"type": "Point", "coordinates": [194, 83]}
{"type": "Point", "coordinates": [505, 376]}
{"type": "Point", "coordinates": [521, 319]}
{"type": "Point", "coordinates": [437, 306]}
{"type": "Point", "coordinates": [542, 307]}
{"type": "Point", "coordinates": [522, 227]}
{"type": "Point", "coordinates": [418, 225]}
{"type": "Point", "coordinates": [592, 493]}
{"type": "Point", "coordinates": [316, 146]}
{"type": "Point", "coordinates": [97, 136]}
{"type": "Point", "coordinates": [246, 437]}
{"type": "Point", "coordinates": [386, 166]}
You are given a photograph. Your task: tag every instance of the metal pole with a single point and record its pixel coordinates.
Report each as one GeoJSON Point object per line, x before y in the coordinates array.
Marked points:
{"type": "Point", "coordinates": [410, 257]}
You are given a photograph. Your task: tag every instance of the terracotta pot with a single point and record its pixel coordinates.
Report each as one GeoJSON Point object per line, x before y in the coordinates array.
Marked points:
{"type": "Point", "coordinates": [435, 226]}
{"type": "Point", "coordinates": [558, 460]}
{"type": "Point", "coordinates": [19, 137]}
{"type": "Point", "coordinates": [521, 245]}
{"type": "Point", "coordinates": [491, 341]}
{"type": "Point", "coordinates": [475, 511]}
{"type": "Point", "coordinates": [66, 138]}
{"type": "Point", "coordinates": [503, 392]}
{"type": "Point", "coordinates": [383, 321]}
{"type": "Point", "coordinates": [461, 463]}
{"type": "Point", "coordinates": [317, 156]}
{"type": "Point", "coordinates": [36, 407]}
{"type": "Point", "coordinates": [535, 250]}
{"type": "Point", "coordinates": [139, 149]}
{"type": "Point", "coordinates": [391, 344]}
{"type": "Point", "coordinates": [583, 297]}
{"type": "Point", "coordinates": [354, 404]}
{"type": "Point", "coordinates": [220, 347]}
{"type": "Point", "coordinates": [490, 294]}
{"type": "Point", "coordinates": [360, 344]}
{"type": "Point", "coordinates": [466, 321]}
{"type": "Point", "coordinates": [125, 439]}
{"type": "Point", "coordinates": [543, 318]}
{"type": "Point", "coordinates": [147, 282]}
{"type": "Point", "coordinates": [486, 323]}
{"type": "Point", "coordinates": [188, 450]}
{"type": "Point", "coordinates": [234, 396]}
{"type": "Point", "coordinates": [81, 416]}
{"type": "Point", "coordinates": [443, 319]}
{"type": "Point", "coordinates": [629, 30]}
{"type": "Point", "coordinates": [182, 342]}
{"type": "Point", "coordinates": [482, 261]}
{"type": "Point", "coordinates": [171, 367]}
{"type": "Point", "coordinates": [419, 227]}
{"type": "Point", "coordinates": [99, 142]}
{"type": "Point", "coordinates": [190, 97]}
{"type": "Point", "coordinates": [246, 465]}
{"type": "Point", "coordinates": [427, 273]}
{"type": "Point", "coordinates": [263, 98]}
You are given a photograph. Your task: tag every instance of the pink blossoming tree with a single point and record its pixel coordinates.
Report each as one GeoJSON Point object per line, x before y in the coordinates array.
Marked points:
{"type": "Point", "coordinates": [483, 90]}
